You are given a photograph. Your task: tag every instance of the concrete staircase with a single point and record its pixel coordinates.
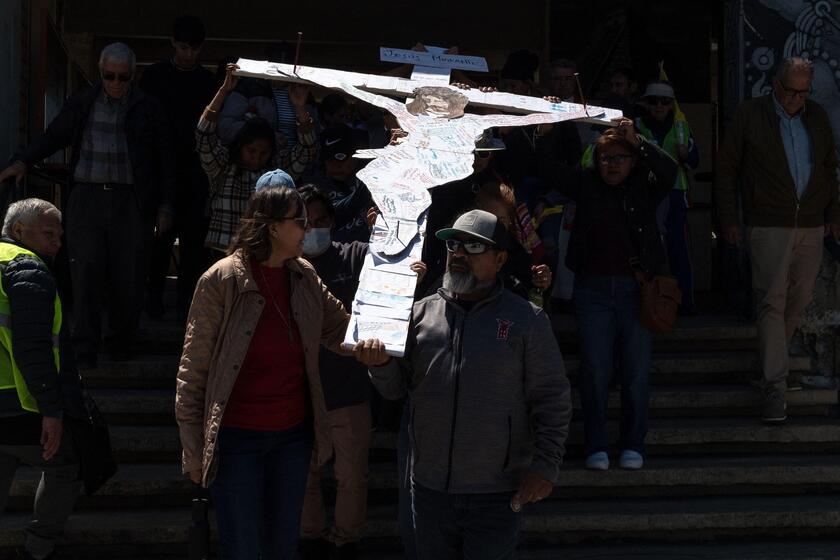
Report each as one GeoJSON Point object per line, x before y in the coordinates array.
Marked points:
{"type": "Point", "coordinates": [715, 474]}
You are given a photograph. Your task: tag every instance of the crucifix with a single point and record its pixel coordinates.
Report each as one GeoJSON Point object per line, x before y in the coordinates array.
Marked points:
{"type": "Point", "coordinates": [438, 149]}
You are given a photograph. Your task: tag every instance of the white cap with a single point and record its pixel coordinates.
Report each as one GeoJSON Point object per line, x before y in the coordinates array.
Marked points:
{"type": "Point", "coordinates": [658, 89]}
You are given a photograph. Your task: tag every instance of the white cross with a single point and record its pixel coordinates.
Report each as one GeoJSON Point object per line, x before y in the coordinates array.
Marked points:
{"type": "Point", "coordinates": [438, 150]}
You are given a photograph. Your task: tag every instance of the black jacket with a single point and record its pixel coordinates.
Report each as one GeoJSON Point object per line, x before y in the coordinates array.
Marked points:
{"type": "Point", "coordinates": [31, 288]}
{"type": "Point", "coordinates": [521, 160]}
{"type": "Point", "coordinates": [650, 181]}
{"type": "Point", "coordinates": [183, 95]}
{"type": "Point", "coordinates": [149, 144]}
{"type": "Point", "coordinates": [343, 378]}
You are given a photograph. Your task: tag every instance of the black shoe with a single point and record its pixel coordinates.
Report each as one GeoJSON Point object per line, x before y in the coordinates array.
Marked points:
{"type": "Point", "coordinates": [345, 552]}
{"type": "Point", "coordinates": [775, 408]}
{"type": "Point", "coordinates": [314, 549]}
{"type": "Point", "coordinates": [86, 361]}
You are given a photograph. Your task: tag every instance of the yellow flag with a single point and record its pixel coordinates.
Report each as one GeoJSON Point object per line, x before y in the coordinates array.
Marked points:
{"type": "Point", "coordinates": [679, 117]}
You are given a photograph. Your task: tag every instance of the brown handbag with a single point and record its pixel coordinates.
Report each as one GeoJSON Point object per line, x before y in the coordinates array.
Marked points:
{"type": "Point", "coordinates": [659, 302]}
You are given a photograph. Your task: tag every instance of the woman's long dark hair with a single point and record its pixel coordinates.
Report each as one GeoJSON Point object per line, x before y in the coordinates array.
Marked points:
{"type": "Point", "coordinates": [264, 207]}
{"type": "Point", "coordinates": [254, 129]}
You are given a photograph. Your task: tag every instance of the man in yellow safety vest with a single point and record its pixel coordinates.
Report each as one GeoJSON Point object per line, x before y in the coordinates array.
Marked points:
{"type": "Point", "coordinates": [38, 382]}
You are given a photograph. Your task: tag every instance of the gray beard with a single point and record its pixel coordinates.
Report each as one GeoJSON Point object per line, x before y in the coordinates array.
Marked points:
{"type": "Point", "coordinates": [461, 283]}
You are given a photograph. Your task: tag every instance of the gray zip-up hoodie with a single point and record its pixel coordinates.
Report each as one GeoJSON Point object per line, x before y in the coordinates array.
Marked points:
{"type": "Point", "coordinates": [488, 390]}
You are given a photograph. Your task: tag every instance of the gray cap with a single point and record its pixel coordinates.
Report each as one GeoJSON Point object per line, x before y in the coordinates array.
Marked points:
{"type": "Point", "coordinates": [659, 89]}
{"type": "Point", "coordinates": [479, 224]}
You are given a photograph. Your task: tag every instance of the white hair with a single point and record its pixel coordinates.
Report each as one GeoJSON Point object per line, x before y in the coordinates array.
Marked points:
{"type": "Point", "coordinates": [793, 64]}
{"type": "Point", "coordinates": [119, 52]}
{"type": "Point", "coordinates": [26, 211]}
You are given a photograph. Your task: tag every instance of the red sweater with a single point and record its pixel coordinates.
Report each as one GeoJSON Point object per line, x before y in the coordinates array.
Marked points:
{"type": "Point", "coordinates": [269, 393]}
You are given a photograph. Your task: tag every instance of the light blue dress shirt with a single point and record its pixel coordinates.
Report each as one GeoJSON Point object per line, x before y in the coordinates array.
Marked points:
{"type": "Point", "coordinates": [797, 145]}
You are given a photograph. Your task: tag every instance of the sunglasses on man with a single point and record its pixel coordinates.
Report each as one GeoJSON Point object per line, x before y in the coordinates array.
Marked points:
{"type": "Point", "coordinates": [470, 247]}
{"type": "Point", "coordinates": [659, 100]}
{"type": "Point", "coordinates": [112, 76]}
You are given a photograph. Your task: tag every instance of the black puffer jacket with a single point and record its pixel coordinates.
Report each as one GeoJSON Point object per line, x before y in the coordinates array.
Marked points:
{"type": "Point", "coordinates": [31, 288]}
{"type": "Point", "coordinates": [647, 185]}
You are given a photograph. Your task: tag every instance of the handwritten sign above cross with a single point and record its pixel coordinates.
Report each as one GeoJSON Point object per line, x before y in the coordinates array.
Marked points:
{"type": "Point", "coordinates": [433, 66]}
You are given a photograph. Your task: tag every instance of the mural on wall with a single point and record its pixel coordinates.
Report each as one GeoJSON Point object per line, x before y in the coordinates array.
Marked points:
{"type": "Point", "coordinates": [776, 29]}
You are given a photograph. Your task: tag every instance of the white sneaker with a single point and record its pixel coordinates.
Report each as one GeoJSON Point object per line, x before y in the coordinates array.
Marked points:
{"type": "Point", "coordinates": [599, 461]}
{"type": "Point", "coordinates": [631, 460]}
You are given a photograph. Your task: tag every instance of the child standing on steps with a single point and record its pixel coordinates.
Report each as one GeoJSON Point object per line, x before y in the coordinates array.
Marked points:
{"type": "Point", "coordinates": [233, 170]}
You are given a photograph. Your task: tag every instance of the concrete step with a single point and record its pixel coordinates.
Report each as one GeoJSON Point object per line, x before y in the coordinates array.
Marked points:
{"type": "Point", "coordinates": [705, 332]}
{"type": "Point", "coordinates": [160, 337]}
{"type": "Point", "coordinates": [723, 400]}
{"type": "Point", "coordinates": [666, 476]}
{"type": "Point", "coordinates": [162, 484]}
{"type": "Point", "coordinates": [666, 436]}
{"type": "Point", "coordinates": [160, 371]}
{"type": "Point", "coordinates": [145, 372]}
{"type": "Point", "coordinates": [571, 521]}
{"type": "Point", "coordinates": [555, 522]}
{"type": "Point", "coordinates": [141, 486]}
{"type": "Point", "coordinates": [157, 406]}
{"type": "Point", "coordinates": [146, 443]}
{"type": "Point", "coordinates": [768, 548]}
{"type": "Point", "coordinates": [742, 549]}
{"type": "Point", "coordinates": [136, 406]}
{"type": "Point", "coordinates": [108, 527]}
{"type": "Point", "coordinates": [712, 436]}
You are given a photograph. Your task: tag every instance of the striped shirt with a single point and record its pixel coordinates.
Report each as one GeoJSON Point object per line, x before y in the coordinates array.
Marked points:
{"type": "Point", "coordinates": [231, 185]}
{"type": "Point", "coordinates": [286, 116]}
{"type": "Point", "coordinates": [103, 156]}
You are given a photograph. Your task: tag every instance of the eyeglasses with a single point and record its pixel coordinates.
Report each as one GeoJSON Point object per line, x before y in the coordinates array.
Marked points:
{"type": "Point", "coordinates": [111, 76]}
{"type": "Point", "coordinates": [470, 247]}
{"type": "Point", "coordinates": [482, 154]}
{"type": "Point", "coordinates": [301, 221]}
{"type": "Point", "coordinates": [659, 101]}
{"type": "Point", "coordinates": [617, 159]}
{"type": "Point", "coordinates": [797, 92]}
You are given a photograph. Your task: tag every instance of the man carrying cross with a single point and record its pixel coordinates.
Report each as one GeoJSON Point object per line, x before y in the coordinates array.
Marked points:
{"type": "Point", "coordinates": [490, 401]}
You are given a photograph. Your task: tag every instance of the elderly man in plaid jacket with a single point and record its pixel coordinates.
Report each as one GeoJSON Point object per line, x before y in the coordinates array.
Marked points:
{"type": "Point", "coordinates": [121, 192]}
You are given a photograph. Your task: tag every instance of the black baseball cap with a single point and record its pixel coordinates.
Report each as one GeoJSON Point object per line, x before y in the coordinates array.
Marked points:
{"type": "Point", "coordinates": [337, 143]}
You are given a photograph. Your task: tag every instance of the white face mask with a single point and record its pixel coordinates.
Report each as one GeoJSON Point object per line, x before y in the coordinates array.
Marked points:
{"type": "Point", "coordinates": [316, 241]}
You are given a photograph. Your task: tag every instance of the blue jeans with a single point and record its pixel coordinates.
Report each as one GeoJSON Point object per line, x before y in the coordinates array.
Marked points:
{"type": "Point", "coordinates": [464, 526]}
{"type": "Point", "coordinates": [607, 312]}
{"type": "Point", "coordinates": [258, 492]}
